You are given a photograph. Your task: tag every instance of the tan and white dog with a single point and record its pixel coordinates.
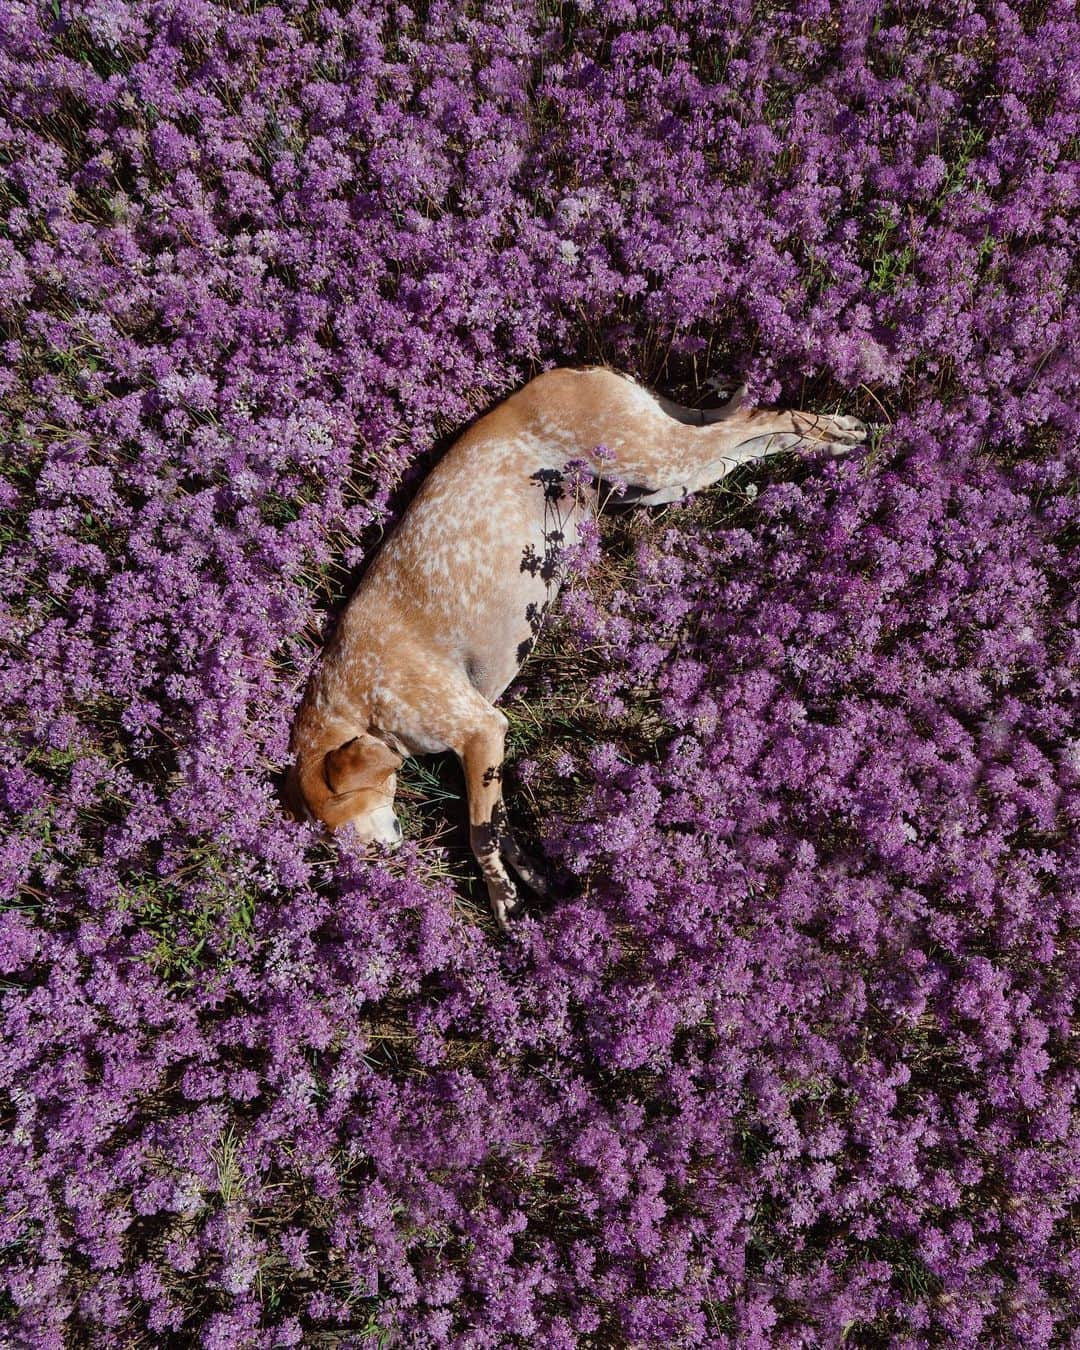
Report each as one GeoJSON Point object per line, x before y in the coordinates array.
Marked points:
{"type": "Point", "coordinates": [452, 603]}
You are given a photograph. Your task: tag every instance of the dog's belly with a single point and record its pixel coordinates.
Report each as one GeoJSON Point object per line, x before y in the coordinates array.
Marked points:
{"type": "Point", "coordinates": [504, 634]}
{"type": "Point", "coordinates": [473, 567]}
{"type": "Point", "coordinates": [502, 614]}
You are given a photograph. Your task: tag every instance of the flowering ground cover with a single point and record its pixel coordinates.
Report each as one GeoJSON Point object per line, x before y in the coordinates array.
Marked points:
{"type": "Point", "coordinates": [791, 1058]}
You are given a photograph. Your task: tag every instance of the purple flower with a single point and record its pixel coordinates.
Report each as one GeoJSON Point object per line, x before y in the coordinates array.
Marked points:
{"type": "Point", "coordinates": [787, 1061]}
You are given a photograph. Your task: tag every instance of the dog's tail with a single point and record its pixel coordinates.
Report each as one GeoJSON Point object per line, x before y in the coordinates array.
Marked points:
{"type": "Point", "coordinates": [661, 450]}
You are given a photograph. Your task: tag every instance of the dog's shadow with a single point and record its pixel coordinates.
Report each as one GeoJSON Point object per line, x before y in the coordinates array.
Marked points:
{"type": "Point", "coordinates": [433, 809]}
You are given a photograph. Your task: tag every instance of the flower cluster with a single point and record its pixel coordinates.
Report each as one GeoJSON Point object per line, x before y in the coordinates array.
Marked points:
{"type": "Point", "coordinates": [790, 1060]}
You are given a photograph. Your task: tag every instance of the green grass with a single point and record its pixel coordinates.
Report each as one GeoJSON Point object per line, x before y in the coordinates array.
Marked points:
{"type": "Point", "coordinates": [956, 177]}
{"type": "Point", "coordinates": [230, 1181]}
{"type": "Point", "coordinates": [200, 915]}
{"type": "Point", "coordinates": [888, 264]}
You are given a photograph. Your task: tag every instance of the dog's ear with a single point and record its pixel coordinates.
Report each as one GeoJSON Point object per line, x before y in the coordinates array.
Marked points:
{"type": "Point", "coordinates": [361, 762]}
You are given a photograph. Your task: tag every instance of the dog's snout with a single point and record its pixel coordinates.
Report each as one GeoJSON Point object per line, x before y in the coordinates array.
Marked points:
{"type": "Point", "coordinates": [383, 827]}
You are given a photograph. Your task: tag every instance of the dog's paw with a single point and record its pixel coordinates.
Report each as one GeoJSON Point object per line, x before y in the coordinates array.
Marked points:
{"type": "Point", "coordinates": [505, 901]}
{"type": "Point", "coordinates": [835, 432]}
{"type": "Point", "coordinates": [526, 867]}
{"type": "Point", "coordinates": [848, 431]}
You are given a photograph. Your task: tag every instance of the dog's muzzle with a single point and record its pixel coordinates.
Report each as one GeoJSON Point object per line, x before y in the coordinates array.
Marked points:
{"type": "Point", "coordinates": [385, 828]}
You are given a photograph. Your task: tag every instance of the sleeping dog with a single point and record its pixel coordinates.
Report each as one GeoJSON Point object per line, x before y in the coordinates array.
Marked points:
{"type": "Point", "coordinates": [450, 607]}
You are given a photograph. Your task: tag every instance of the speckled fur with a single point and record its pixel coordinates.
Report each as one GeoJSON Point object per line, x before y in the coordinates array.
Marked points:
{"type": "Point", "coordinates": [450, 607]}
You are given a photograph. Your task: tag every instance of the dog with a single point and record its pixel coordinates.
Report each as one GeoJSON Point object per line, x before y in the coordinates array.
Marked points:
{"type": "Point", "coordinates": [452, 602]}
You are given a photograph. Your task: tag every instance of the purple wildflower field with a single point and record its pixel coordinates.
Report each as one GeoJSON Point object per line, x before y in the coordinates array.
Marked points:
{"type": "Point", "coordinates": [791, 1058]}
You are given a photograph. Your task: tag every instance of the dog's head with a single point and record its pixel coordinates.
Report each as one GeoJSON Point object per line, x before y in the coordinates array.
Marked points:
{"type": "Point", "coordinates": [352, 784]}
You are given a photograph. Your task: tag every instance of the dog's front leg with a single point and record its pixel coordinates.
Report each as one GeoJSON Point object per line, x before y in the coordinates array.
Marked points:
{"type": "Point", "coordinates": [481, 753]}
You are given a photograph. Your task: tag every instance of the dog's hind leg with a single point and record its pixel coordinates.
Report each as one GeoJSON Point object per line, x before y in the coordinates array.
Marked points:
{"type": "Point", "coordinates": [650, 446]}
{"type": "Point", "coordinates": [771, 434]}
